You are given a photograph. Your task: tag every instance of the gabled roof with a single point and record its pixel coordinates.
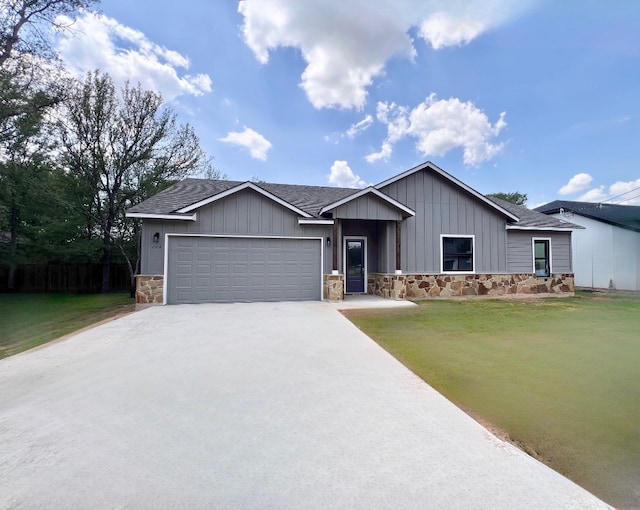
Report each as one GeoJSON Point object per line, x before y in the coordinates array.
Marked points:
{"type": "Point", "coordinates": [429, 165]}
{"type": "Point", "coordinates": [533, 220]}
{"type": "Point", "coordinates": [623, 216]}
{"type": "Point", "coordinates": [370, 191]}
{"type": "Point", "coordinates": [185, 196]}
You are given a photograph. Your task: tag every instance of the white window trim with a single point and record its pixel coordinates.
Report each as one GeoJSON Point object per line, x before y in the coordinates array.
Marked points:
{"type": "Point", "coordinates": [344, 260]}
{"type": "Point", "coordinates": [533, 255]}
{"type": "Point", "coordinates": [473, 249]}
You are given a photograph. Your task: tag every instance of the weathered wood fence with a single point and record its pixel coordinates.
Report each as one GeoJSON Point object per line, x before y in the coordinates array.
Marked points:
{"type": "Point", "coordinates": [64, 277]}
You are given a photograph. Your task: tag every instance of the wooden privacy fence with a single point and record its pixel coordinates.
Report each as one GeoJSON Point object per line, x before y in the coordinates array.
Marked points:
{"type": "Point", "coordinates": [64, 277]}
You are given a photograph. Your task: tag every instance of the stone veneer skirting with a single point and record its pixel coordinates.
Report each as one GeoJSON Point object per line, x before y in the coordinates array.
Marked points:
{"type": "Point", "coordinates": [333, 287]}
{"type": "Point", "coordinates": [417, 286]}
{"type": "Point", "coordinates": [149, 289]}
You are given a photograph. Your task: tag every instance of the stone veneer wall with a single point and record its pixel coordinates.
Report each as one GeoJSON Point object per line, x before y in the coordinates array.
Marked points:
{"type": "Point", "coordinates": [416, 286]}
{"type": "Point", "coordinates": [149, 289]}
{"type": "Point", "coordinates": [333, 287]}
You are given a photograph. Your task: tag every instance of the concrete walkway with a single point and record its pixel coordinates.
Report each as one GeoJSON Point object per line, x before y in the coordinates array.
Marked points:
{"type": "Point", "coordinates": [247, 406]}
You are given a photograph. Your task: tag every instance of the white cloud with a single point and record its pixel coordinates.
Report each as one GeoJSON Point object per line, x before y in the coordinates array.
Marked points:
{"type": "Point", "coordinates": [620, 192]}
{"type": "Point", "coordinates": [627, 193]}
{"type": "Point", "coordinates": [257, 144]}
{"type": "Point", "coordinates": [439, 126]}
{"type": "Point", "coordinates": [359, 127]}
{"type": "Point", "coordinates": [594, 195]}
{"type": "Point", "coordinates": [346, 44]}
{"type": "Point", "coordinates": [342, 176]}
{"type": "Point", "coordinates": [577, 183]}
{"type": "Point", "coordinates": [100, 42]}
{"type": "Point", "coordinates": [442, 30]}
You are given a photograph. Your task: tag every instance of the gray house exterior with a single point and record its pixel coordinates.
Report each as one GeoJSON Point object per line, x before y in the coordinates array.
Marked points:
{"type": "Point", "coordinates": [422, 233]}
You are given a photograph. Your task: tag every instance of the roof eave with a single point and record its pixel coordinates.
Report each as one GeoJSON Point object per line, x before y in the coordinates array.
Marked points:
{"type": "Point", "coordinates": [158, 216]}
{"type": "Point", "coordinates": [241, 187]}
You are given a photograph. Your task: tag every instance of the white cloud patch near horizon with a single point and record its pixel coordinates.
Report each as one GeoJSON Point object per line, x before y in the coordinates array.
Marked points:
{"type": "Point", "coordinates": [99, 42]}
{"type": "Point", "coordinates": [577, 183]}
{"type": "Point", "coordinates": [251, 140]}
{"type": "Point", "coordinates": [620, 192]}
{"type": "Point", "coordinates": [347, 44]}
{"type": "Point", "coordinates": [343, 177]}
{"type": "Point", "coordinates": [438, 127]}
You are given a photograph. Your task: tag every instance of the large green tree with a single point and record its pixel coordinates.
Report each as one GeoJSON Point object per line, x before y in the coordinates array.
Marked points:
{"type": "Point", "coordinates": [120, 147]}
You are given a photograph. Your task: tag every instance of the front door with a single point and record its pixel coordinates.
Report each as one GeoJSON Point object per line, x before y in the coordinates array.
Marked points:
{"type": "Point", "coordinates": [355, 270]}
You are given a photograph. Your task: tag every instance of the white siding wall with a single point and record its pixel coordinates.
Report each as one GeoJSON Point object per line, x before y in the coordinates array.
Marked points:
{"type": "Point", "coordinates": [604, 255]}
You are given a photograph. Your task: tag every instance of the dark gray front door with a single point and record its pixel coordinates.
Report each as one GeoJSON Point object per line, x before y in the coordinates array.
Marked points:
{"type": "Point", "coordinates": [355, 265]}
{"type": "Point", "coordinates": [236, 269]}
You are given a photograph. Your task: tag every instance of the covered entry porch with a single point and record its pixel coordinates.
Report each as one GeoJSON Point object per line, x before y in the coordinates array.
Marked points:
{"type": "Point", "coordinates": [366, 242]}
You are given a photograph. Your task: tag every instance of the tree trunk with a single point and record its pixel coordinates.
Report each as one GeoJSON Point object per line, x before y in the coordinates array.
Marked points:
{"type": "Point", "coordinates": [12, 284]}
{"type": "Point", "coordinates": [106, 270]}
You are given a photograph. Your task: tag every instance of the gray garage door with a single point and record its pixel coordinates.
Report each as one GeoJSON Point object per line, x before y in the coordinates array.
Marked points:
{"type": "Point", "coordinates": [234, 269]}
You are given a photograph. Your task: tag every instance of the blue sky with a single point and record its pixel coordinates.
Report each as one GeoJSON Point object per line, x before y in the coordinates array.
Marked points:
{"type": "Point", "coordinates": [542, 98]}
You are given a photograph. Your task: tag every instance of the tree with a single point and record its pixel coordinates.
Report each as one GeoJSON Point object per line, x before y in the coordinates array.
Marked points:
{"type": "Point", "coordinates": [24, 26]}
{"type": "Point", "coordinates": [30, 72]}
{"type": "Point", "coordinates": [120, 148]}
{"type": "Point", "coordinates": [514, 197]}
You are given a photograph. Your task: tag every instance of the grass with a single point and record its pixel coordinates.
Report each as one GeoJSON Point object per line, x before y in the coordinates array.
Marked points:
{"type": "Point", "coordinates": [560, 376]}
{"type": "Point", "coordinates": [29, 320]}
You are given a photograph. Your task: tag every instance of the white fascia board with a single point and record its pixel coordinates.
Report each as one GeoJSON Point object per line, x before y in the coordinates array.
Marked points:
{"type": "Point", "coordinates": [240, 187]}
{"type": "Point", "coordinates": [451, 179]}
{"type": "Point", "coordinates": [148, 216]}
{"type": "Point", "coordinates": [543, 229]}
{"type": "Point", "coordinates": [366, 191]}
{"type": "Point", "coordinates": [313, 221]}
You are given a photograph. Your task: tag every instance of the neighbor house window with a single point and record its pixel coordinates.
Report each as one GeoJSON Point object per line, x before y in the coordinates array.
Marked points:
{"type": "Point", "coordinates": [542, 257]}
{"type": "Point", "coordinates": [457, 253]}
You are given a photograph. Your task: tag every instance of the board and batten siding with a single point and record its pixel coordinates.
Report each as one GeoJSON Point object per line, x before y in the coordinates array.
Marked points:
{"type": "Point", "coordinates": [245, 213]}
{"type": "Point", "coordinates": [520, 251]}
{"type": "Point", "coordinates": [367, 207]}
{"type": "Point", "coordinates": [443, 208]}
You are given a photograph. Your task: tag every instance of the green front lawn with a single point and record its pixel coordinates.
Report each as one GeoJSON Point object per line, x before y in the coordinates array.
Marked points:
{"type": "Point", "coordinates": [28, 320]}
{"type": "Point", "coordinates": [560, 376]}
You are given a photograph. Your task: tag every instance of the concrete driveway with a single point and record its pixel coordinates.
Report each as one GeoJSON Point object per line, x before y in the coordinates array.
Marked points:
{"type": "Point", "coordinates": [243, 406]}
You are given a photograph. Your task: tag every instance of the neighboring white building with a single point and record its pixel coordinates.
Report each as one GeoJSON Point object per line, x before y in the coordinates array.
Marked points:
{"type": "Point", "coordinates": [606, 254]}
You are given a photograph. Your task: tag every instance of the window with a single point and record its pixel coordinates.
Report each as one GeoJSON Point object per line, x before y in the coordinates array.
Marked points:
{"type": "Point", "coordinates": [542, 257]}
{"type": "Point", "coordinates": [457, 253]}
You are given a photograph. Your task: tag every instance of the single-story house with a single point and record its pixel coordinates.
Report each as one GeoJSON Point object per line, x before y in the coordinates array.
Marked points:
{"type": "Point", "coordinates": [422, 233]}
{"type": "Point", "coordinates": [606, 253]}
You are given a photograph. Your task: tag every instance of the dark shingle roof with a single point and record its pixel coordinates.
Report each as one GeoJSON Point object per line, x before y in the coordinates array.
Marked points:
{"type": "Point", "coordinates": [191, 191]}
{"type": "Point", "coordinates": [533, 219]}
{"type": "Point", "coordinates": [623, 216]}
{"type": "Point", "coordinates": [310, 199]}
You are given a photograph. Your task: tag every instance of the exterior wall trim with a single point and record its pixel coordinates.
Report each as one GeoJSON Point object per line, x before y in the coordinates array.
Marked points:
{"type": "Point", "coordinates": [533, 254]}
{"type": "Point", "coordinates": [313, 221]}
{"type": "Point", "coordinates": [165, 269]}
{"type": "Point", "coordinates": [467, 236]}
{"type": "Point", "coordinates": [541, 229]}
{"type": "Point", "coordinates": [344, 259]}
{"type": "Point", "coordinates": [148, 216]}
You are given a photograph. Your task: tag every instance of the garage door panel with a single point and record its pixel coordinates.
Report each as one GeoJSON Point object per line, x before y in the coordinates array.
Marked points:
{"type": "Point", "coordinates": [219, 269]}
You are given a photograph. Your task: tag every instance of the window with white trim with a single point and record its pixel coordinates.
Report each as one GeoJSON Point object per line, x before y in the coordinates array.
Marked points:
{"type": "Point", "coordinates": [457, 254]}
{"type": "Point", "coordinates": [542, 257]}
